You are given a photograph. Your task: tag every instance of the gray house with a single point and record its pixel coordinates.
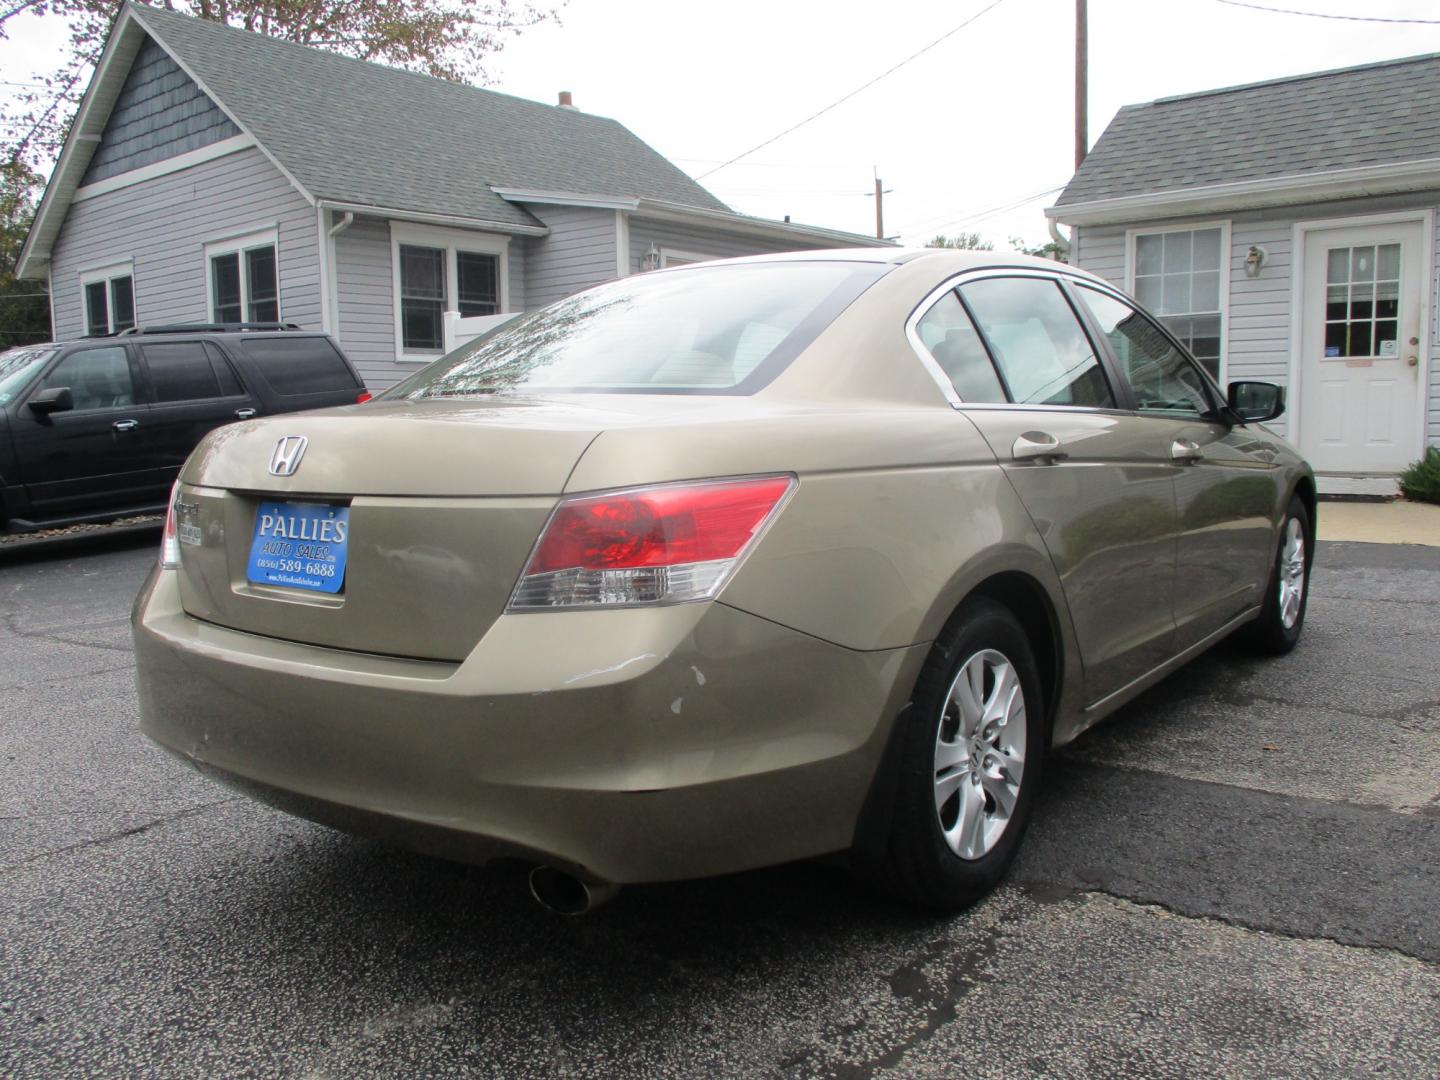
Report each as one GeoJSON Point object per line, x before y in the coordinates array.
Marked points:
{"type": "Point", "coordinates": [217, 175]}
{"type": "Point", "coordinates": [1286, 231]}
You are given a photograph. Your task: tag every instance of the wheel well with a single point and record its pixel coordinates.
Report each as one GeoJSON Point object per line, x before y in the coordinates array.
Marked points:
{"type": "Point", "coordinates": [1027, 601]}
{"type": "Point", "coordinates": [1305, 489]}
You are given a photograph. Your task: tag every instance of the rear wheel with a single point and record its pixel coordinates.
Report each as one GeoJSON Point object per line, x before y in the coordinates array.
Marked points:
{"type": "Point", "coordinates": [1282, 616]}
{"type": "Point", "coordinates": [970, 761]}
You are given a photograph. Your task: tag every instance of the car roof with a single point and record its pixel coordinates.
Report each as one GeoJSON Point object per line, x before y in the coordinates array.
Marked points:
{"type": "Point", "coordinates": [945, 261]}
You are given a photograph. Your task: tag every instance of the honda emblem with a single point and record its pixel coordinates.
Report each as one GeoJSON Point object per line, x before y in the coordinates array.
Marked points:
{"type": "Point", "coordinates": [288, 452]}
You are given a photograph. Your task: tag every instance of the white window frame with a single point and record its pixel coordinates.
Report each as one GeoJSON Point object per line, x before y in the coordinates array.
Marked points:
{"type": "Point", "coordinates": [1226, 258]}
{"type": "Point", "coordinates": [107, 274]}
{"type": "Point", "coordinates": [451, 241]}
{"type": "Point", "coordinates": [239, 245]}
{"type": "Point", "coordinates": [685, 257]}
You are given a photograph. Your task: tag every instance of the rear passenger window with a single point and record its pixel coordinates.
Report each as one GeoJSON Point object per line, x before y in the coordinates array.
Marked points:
{"type": "Point", "coordinates": [180, 371]}
{"type": "Point", "coordinates": [949, 336]}
{"type": "Point", "coordinates": [1044, 356]}
{"type": "Point", "coordinates": [300, 365]}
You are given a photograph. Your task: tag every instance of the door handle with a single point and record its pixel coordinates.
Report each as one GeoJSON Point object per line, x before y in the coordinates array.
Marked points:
{"type": "Point", "coordinates": [244, 414]}
{"type": "Point", "coordinates": [1037, 446]}
{"type": "Point", "coordinates": [1413, 361]}
{"type": "Point", "coordinates": [1185, 451]}
{"type": "Point", "coordinates": [125, 425]}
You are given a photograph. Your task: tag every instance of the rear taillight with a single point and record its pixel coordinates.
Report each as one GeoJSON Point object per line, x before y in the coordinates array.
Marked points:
{"type": "Point", "coordinates": [170, 542]}
{"type": "Point", "coordinates": [363, 397]}
{"type": "Point", "coordinates": [659, 545]}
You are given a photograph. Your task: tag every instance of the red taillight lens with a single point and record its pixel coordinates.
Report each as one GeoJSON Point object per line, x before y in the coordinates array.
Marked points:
{"type": "Point", "coordinates": [363, 397]}
{"type": "Point", "coordinates": [170, 542]}
{"type": "Point", "coordinates": [666, 544]}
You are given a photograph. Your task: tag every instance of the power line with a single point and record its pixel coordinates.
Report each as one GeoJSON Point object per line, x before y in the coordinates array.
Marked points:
{"type": "Point", "coordinates": [983, 214]}
{"type": "Point", "coordinates": [1324, 15]}
{"type": "Point", "coordinates": [835, 104]}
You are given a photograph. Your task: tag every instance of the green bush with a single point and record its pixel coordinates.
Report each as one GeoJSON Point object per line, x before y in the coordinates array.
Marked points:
{"type": "Point", "coordinates": [1421, 481]}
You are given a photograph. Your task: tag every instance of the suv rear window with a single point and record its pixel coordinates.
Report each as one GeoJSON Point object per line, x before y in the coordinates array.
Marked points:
{"type": "Point", "coordinates": [702, 330]}
{"type": "Point", "coordinates": [300, 365]}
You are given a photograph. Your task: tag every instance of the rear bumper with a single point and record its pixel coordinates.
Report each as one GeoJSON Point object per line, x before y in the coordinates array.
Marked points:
{"type": "Point", "coordinates": [623, 746]}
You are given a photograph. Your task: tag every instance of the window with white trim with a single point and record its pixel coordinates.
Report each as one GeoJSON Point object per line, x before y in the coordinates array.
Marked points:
{"type": "Point", "coordinates": [109, 299]}
{"type": "Point", "coordinates": [1179, 277]}
{"type": "Point", "coordinates": [244, 279]}
{"type": "Point", "coordinates": [440, 270]}
{"type": "Point", "coordinates": [672, 257]}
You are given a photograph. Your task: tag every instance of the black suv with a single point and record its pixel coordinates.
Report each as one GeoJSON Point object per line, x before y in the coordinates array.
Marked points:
{"type": "Point", "coordinates": [97, 429]}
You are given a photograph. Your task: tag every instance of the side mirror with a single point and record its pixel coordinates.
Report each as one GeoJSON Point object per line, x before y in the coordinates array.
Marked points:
{"type": "Point", "coordinates": [55, 399]}
{"type": "Point", "coordinates": [1256, 402]}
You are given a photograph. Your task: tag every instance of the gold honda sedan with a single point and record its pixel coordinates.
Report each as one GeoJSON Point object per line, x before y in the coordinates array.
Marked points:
{"type": "Point", "coordinates": [725, 566]}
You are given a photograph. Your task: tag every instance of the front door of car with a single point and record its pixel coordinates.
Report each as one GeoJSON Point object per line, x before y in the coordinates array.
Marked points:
{"type": "Point", "coordinates": [1226, 483]}
{"type": "Point", "coordinates": [1099, 492]}
{"type": "Point", "coordinates": [195, 390]}
{"type": "Point", "coordinates": [88, 456]}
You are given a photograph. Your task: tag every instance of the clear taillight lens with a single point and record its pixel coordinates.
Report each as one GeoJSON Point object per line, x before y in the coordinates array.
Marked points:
{"type": "Point", "coordinates": [170, 542]}
{"type": "Point", "coordinates": [659, 545]}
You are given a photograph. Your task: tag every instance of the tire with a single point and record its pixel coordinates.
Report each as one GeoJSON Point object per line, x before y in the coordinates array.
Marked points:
{"type": "Point", "coordinates": [933, 860]}
{"type": "Point", "coordinates": [1282, 615]}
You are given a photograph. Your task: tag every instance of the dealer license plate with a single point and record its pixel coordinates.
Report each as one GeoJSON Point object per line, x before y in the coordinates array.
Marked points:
{"type": "Point", "coordinates": [300, 546]}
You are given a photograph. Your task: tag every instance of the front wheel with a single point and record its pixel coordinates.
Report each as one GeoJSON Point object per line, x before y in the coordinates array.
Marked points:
{"type": "Point", "coordinates": [970, 761]}
{"type": "Point", "coordinates": [1282, 615]}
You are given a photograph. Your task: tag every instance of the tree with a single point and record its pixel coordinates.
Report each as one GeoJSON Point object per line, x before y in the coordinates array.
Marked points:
{"type": "Point", "coordinates": [24, 305]}
{"type": "Point", "coordinates": [964, 241]}
{"type": "Point", "coordinates": [450, 39]}
{"type": "Point", "coordinates": [1051, 250]}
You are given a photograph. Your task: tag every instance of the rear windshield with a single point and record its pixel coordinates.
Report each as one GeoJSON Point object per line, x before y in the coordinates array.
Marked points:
{"type": "Point", "coordinates": [294, 366]}
{"type": "Point", "coordinates": [726, 329]}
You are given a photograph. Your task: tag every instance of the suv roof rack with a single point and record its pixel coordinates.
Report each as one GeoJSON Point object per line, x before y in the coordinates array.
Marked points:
{"type": "Point", "coordinates": [209, 328]}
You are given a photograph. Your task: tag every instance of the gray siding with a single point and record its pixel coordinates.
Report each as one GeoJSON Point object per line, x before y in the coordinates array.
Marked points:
{"type": "Point", "coordinates": [162, 225]}
{"type": "Point", "coordinates": [1101, 250]}
{"type": "Point", "coordinates": [578, 253]}
{"type": "Point", "coordinates": [365, 304]}
{"type": "Point", "coordinates": [712, 242]}
{"type": "Point", "coordinates": [159, 114]}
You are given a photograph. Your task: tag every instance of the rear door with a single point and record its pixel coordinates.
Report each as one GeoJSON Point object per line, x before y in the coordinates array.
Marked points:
{"type": "Point", "coordinates": [1227, 485]}
{"type": "Point", "coordinates": [194, 390]}
{"type": "Point", "coordinates": [1098, 490]}
{"type": "Point", "coordinates": [90, 457]}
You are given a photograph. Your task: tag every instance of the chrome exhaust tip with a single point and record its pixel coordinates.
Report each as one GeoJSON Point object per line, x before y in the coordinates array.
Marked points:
{"type": "Point", "coordinates": [565, 894]}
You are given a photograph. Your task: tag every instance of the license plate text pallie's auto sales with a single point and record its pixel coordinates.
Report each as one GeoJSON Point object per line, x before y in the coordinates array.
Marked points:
{"type": "Point", "coordinates": [300, 546]}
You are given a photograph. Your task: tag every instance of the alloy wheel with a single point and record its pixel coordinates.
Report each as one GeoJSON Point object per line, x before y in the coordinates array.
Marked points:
{"type": "Point", "coordinates": [1292, 573]}
{"type": "Point", "coordinates": [979, 754]}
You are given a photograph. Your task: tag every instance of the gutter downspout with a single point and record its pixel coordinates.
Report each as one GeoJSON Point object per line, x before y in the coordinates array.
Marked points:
{"type": "Point", "coordinates": [332, 297]}
{"type": "Point", "coordinates": [1059, 237]}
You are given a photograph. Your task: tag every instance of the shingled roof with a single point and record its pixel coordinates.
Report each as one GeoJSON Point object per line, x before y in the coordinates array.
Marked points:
{"type": "Point", "coordinates": [1307, 126]}
{"type": "Point", "coordinates": [359, 132]}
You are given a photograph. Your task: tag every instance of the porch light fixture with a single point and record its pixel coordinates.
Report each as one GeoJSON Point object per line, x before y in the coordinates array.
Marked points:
{"type": "Point", "coordinates": [651, 261]}
{"type": "Point", "coordinates": [1254, 259]}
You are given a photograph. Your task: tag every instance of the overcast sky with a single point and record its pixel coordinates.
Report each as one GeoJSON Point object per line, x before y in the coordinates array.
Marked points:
{"type": "Point", "coordinates": [982, 120]}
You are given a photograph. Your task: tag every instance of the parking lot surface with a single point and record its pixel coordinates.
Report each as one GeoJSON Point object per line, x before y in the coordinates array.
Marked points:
{"type": "Point", "coordinates": [1238, 875]}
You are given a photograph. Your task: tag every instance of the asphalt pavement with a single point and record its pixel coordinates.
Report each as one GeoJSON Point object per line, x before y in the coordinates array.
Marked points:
{"type": "Point", "coordinates": [1238, 875]}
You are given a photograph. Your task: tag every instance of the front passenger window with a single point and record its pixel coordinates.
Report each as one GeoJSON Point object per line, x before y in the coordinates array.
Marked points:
{"type": "Point", "coordinates": [1161, 377]}
{"type": "Point", "coordinates": [97, 378]}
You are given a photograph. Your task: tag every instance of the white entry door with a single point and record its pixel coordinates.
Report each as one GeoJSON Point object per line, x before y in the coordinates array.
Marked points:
{"type": "Point", "coordinates": [1361, 347]}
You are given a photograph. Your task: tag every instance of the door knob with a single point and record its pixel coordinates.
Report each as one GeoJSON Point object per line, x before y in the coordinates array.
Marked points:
{"type": "Point", "coordinates": [125, 425]}
{"type": "Point", "coordinates": [1039, 446]}
{"type": "Point", "coordinates": [1413, 361]}
{"type": "Point", "coordinates": [1185, 450]}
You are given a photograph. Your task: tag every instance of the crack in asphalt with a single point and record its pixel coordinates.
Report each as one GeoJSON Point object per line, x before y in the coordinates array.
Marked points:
{"type": "Point", "coordinates": [122, 834]}
{"type": "Point", "coordinates": [12, 624]}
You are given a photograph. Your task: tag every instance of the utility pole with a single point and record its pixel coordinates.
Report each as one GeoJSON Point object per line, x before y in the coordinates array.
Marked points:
{"type": "Point", "coordinates": [880, 193]}
{"type": "Point", "coordinates": [1081, 83]}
